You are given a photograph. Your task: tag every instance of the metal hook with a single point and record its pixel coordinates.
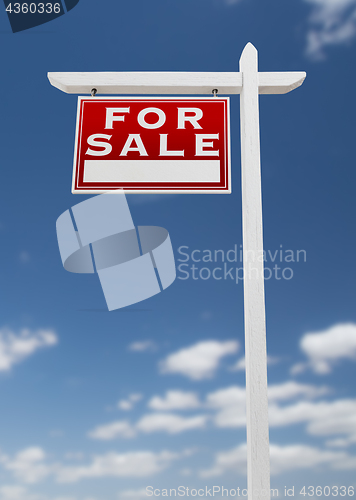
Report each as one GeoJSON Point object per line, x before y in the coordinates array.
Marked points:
{"type": "Point", "coordinates": [93, 92]}
{"type": "Point", "coordinates": [215, 92]}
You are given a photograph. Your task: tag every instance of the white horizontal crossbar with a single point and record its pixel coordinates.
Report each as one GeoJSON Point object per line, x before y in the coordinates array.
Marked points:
{"type": "Point", "coordinates": [172, 83]}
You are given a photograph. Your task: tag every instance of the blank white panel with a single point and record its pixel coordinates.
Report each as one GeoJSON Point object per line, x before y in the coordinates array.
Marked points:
{"type": "Point", "coordinates": [152, 171]}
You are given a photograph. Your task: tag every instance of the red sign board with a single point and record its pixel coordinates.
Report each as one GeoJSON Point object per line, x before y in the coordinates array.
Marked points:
{"type": "Point", "coordinates": [179, 145]}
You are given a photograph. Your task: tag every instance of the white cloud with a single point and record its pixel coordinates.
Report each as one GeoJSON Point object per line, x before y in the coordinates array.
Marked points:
{"type": "Point", "coordinates": [199, 361]}
{"type": "Point", "coordinates": [299, 456]}
{"type": "Point", "coordinates": [142, 493]}
{"type": "Point", "coordinates": [131, 464]}
{"type": "Point", "coordinates": [339, 442]}
{"type": "Point", "coordinates": [129, 403]}
{"type": "Point", "coordinates": [227, 461]}
{"type": "Point", "coordinates": [12, 492]}
{"type": "Point", "coordinates": [299, 412]}
{"type": "Point", "coordinates": [324, 418]}
{"type": "Point", "coordinates": [70, 498]}
{"type": "Point", "coordinates": [15, 347]}
{"type": "Point", "coordinates": [113, 430]}
{"type": "Point", "coordinates": [125, 405]}
{"type": "Point", "coordinates": [152, 422]}
{"type": "Point", "coordinates": [230, 402]}
{"type": "Point", "coordinates": [174, 400]}
{"type": "Point", "coordinates": [283, 458]}
{"type": "Point", "coordinates": [239, 366]}
{"type": "Point", "coordinates": [327, 347]}
{"type": "Point", "coordinates": [226, 408]}
{"type": "Point", "coordinates": [331, 22]}
{"type": "Point", "coordinates": [142, 346]}
{"type": "Point", "coordinates": [292, 389]}
{"type": "Point", "coordinates": [28, 465]}
{"type": "Point", "coordinates": [298, 368]}
{"type": "Point", "coordinates": [335, 418]}
{"type": "Point", "coordinates": [15, 492]}
{"type": "Point", "coordinates": [32, 466]}
{"type": "Point", "coordinates": [170, 423]}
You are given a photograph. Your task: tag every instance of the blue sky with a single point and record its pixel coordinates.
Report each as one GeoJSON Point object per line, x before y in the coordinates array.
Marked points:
{"type": "Point", "coordinates": [98, 405]}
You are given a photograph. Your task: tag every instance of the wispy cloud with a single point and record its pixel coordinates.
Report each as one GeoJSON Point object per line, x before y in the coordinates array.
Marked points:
{"type": "Point", "coordinates": [329, 419]}
{"type": "Point", "coordinates": [230, 405]}
{"type": "Point", "coordinates": [28, 466]}
{"type": "Point", "coordinates": [224, 408]}
{"type": "Point", "coordinates": [331, 22]}
{"type": "Point", "coordinates": [32, 466]}
{"type": "Point", "coordinates": [283, 458]}
{"type": "Point", "coordinates": [129, 403]}
{"type": "Point", "coordinates": [239, 366]}
{"type": "Point", "coordinates": [134, 494]}
{"type": "Point", "coordinates": [175, 400]}
{"type": "Point", "coordinates": [113, 430]}
{"type": "Point", "coordinates": [15, 492]}
{"type": "Point", "coordinates": [325, 348]}
{"type": "Point", "coordinates": [199, 361]}
{"type": "Point", "coordinates": [332, 420]}
{"type": "Point", "coordinates": [142, 346]}
{"type": "Point", "coordinates": [15, 347]}
{"type": "Point", "coordinates": [170, 423]}
{"type": "Point", "coordinates": [132, 464]}
{"type": "Point", "coordinates": [292, 389]}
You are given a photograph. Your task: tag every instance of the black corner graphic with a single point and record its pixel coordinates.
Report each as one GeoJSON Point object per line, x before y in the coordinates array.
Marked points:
{"type": "Point", "coordinates": [25, 15]}
{"type": "Point", "coordinates": [70, 4]}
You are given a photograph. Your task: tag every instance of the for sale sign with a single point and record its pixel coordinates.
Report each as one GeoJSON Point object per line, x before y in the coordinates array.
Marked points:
{"type": "Point", "coordinates": [179, 145]}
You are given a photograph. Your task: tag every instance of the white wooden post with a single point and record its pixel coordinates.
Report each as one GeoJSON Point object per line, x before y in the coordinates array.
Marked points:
{"type": "Point", "coordinates": [258, 470]}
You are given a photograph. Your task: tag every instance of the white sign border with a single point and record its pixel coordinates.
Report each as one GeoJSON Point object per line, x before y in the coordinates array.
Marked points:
{"type": "Point", "coordinates": [147, 191]}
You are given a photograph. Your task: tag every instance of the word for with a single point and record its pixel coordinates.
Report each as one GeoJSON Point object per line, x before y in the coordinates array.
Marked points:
{"type": "Point", "coordinates": [182, 117]}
